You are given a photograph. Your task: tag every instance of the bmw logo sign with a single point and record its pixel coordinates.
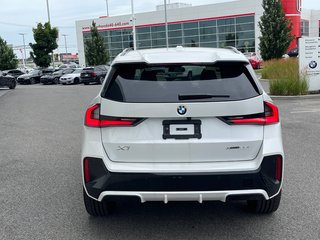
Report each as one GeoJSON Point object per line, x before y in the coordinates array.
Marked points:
{"type": "Point", "coordinates": [182, 110]}
{"type": "Point", "coordinates": [313, 64]}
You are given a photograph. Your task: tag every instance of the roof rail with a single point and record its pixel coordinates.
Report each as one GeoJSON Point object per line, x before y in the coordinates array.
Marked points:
{"type": "Point", "coordinates": [234, 49]}
{"type": "Point", "coordinates": [125, 51]}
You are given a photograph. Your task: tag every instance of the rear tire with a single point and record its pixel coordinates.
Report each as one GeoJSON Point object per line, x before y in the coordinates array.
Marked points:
{"type": "Point", "coordinates": [95, 208]}
{"type": "Point", "coordinates": [13, 85]}
{"type": "Point", "coordinates": [86, 83]}
{"type": "Point", "coordinates": [265, 206]}
{"type": "Point", "coordinates": [76, 81]}
{"type": "Point", "coordinates": [56, 81]}
{"type": "Point", "coordinates": [101, 79]}
{"type": "Point", "coordinates": [32, 81]}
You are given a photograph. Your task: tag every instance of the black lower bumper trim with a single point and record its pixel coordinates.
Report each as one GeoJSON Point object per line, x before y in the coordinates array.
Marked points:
{"type": "Point", "coordinates": [103, 180]}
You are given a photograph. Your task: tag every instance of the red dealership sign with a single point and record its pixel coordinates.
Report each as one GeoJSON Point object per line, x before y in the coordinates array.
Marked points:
{"type": "Point", "coordinates": [108, 26]}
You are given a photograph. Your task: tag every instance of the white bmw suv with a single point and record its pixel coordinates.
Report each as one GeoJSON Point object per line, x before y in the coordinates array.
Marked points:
{"type": "Point", "coordinates": [157, 134]}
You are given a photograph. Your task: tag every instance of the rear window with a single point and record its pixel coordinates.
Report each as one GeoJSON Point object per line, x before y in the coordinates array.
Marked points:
{"type": "Point", "coordinates": [47, 71]}
{"type": "Point", "coordinates": [88, 69]}
{"type": "Point", "coordinates": [140, 83]}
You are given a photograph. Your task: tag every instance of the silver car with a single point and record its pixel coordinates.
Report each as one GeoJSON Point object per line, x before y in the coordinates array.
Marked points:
{"type": "Point", "coordinates": [71, 78]}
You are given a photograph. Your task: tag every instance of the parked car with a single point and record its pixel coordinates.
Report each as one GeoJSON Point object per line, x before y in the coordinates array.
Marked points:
{"type": "Point", "coordinates": [293, 52]}
{"type": "Point", "coordinates": [54, 77]}
{"type": "Point", "coordinates": [71, 78]}
{"type": "Point", "coordinates": [13, 72]}
{"type": "Point", "coordinates": [68, 65]}
{"type": "Point", "coordinates": [215, 137]}
{"type": "Point", "coordinates": [30, 78]}
{"type": "Point", "coordinates": [183, 72]}
{"type": "Point", "coordinates": [7, 81]}
{"type": "Point", "coordinates": [254, 60]}
{"type": "Point", "coordinates": [94, 74]}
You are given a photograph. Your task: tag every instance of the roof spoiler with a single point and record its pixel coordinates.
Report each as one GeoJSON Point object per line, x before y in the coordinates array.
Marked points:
{"type": "Point", "coordinates": [125, 51]}
{"type": "Point", "coordinates": [234, 49]}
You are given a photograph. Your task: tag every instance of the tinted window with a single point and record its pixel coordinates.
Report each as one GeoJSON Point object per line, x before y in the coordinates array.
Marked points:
{"type": "Point", "coordinates": [47, 71]}
{"type": "Point", "coordinates": [209, 23]}
{"type": "Point", "coordinates": [77, 71]}
{"type": "Point", "coordinates": [34, 72]}
{"type": "Point", "coordinates": [100, 68]}
{"type": "Point", "coordinates": [190, 25]}
{"type": "Point", "coordinates": [174, 27]}
{"type": "Point", "coordinates": [67, 71]}
{"type": "Point", "coordinates": [138, 83]}
{"type": "Point", "coordinates": [59, 72]}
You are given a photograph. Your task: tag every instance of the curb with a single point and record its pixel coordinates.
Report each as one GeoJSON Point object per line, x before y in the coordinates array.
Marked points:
{"type": "Point", "coordinates": [301, 97]}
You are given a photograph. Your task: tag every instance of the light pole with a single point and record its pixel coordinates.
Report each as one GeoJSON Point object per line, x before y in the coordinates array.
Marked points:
{"type": "Point", "coordinates": [65, 42]}
{"type": "Point", "coordinates": [166, 22]}
{"type": "Point", "coordinates": [107, 5]}
{"type": "Point", "coordinates": [48, 11]}
{"type": "Point", "coordinates": [24, 50]}
{"type": "Point", "coordinates": [133, 26]}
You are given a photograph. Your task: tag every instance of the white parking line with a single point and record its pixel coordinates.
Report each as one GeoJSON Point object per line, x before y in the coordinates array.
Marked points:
{"type": "Point", "coordinates": [3, 92]}
{"type": "Point", "coordinates": [306, 111]}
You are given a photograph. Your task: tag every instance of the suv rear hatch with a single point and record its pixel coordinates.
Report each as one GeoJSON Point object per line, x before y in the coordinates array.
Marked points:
{"type": "Point", "coordinates": [88, 73]}
{"type": "Point", "coordinates": [160, 113]}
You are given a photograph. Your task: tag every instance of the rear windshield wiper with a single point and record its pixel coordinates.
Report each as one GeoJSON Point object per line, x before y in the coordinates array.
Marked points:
{"type": "Point", "coordinates": [201, 96]}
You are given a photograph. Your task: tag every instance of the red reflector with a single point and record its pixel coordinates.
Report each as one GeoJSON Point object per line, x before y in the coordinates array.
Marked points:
{"type": "Point", "coordinates": [278, 168]}
{"type": "Point", "coordinates": [86, 172]}
{"type": "Point", "coordinates": [105, 123]}
{"type": "Point", "coordinates": [259, 121]}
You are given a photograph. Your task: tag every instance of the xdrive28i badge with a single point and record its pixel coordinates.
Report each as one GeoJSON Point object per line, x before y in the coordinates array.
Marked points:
{"type": "Point", "coordinates": [182, 110]}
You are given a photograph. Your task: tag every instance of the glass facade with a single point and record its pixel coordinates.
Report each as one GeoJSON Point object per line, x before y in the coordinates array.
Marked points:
{"type": "Point", "coordinates": [238, 32]}
{"type": "Point", "coordinates": [304, 26]}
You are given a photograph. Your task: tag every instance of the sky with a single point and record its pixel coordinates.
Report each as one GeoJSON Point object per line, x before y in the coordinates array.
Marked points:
{"type": "Point", "coordinates": [19, 16]}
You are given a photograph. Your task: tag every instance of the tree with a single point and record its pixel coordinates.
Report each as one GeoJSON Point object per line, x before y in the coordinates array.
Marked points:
{"type": "Point", "coordinates": [275, 30]}
{"type": "Point", "coordinates": [95, 51]}
{"type": "Point", "coordinates": [46, 41]}
{"type": "Point", "coordinates": [8, 60]}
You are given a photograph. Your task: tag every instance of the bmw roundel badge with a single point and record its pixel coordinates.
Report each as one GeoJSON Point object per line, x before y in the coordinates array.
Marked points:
{"type": "Point", "coordinates": [313, 64]}
{"type": "Point", "coordinates": [182, 110]}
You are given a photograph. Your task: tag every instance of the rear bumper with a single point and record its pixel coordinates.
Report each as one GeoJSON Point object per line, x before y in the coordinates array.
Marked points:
{"type": "Point", "coordinates": [200, 187]}
{"type": "Point", "coordinates": [46, 80]}
{"type": "Point", "coordinates": [66, 81]}
{"type": "Point", "coordinates": [6, 82]}
{"type": "Point", "coordinates": [23, 80]}
{"type": "Point", "coordinates": [89, 80]}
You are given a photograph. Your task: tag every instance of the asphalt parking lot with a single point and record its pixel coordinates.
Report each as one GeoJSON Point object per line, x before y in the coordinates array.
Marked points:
{"type": "Point", "coordinates": [41, 192]}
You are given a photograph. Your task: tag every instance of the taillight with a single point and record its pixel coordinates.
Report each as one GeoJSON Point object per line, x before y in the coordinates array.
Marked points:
{"type": "Point", "coordinates": [93, 74]}
{"type": "Point", "coordinates": [271, 113]}
{"type": "Point", "coordinates": [278, 175]}
{"type": "Point", "coordinates": [269, 116]}
{"type": "Point", "coordinates": [94, 119]}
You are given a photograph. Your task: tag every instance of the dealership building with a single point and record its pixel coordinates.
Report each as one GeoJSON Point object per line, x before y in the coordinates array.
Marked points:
{"type": "Point", "coordinates": [232, 23]}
